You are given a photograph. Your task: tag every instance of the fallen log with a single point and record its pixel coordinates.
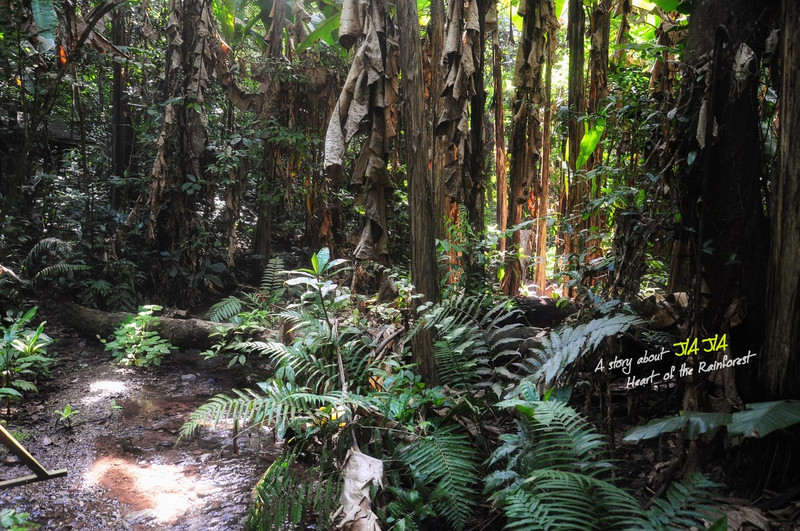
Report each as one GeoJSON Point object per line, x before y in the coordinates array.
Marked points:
{"type": "Point", "coordinates": [183, 333]}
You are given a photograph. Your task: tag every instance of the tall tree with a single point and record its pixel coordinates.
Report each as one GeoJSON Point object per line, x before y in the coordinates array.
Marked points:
{"type": "Point", "coordinates": [526, 134]}
{"type": "Point", "coordinates": [424, 269]}
{"type": "Point", "coordinates": [721, 186]}
{"type": "Point", "coordinates": [576, 189]}
{"type": "Point", "coordinates": [781, 361]}
{"type": "Point", "coordinates": [181, 145]}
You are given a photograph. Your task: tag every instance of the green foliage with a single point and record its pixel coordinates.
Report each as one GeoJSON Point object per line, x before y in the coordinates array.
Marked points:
{"type": "Point", "coordinates": [65, 415]}
{"type": "Point", "coordinates": [23, 354]}
{"type": "Point", "coordinates": [283, 499]}
{"type": "Point", "coordinates": [555, 477]}
{"type": "Point", "coordinates": [446, 466]}
{"type": "Point", "coordinates": [757, 420]}
{"type": "Point", "coordinates": [135, 343]}
{"type": "Point", "coordinates": [11, 520]}
{"type": "Point", "coordinates": [688, 504]}
{"type": "Point", "coordinates": [563, 347]}
{"type": "Point", "coordinates": [469, 330]}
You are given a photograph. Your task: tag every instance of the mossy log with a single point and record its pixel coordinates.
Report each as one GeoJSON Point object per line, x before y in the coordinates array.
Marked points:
{"type": "Point", "coordinates": [183, 333]}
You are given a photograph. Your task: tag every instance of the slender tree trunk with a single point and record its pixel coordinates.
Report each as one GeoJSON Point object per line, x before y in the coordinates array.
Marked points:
{"type": "Point", "coordinates": [500, 159]}
{"type": "Point", "coordinates": [781, 361]}
{"type": "Point", "coordinates": [526, 135]}
{"type": "Point", "coordinates": [424, 271]}
{"type": "Point", "coordinates": [577, 109]}
{"type": "Point", "coordinates": [540, 274]}
{"type": "Point", "coordinates": [121, 126]}
{"type": "Point", "coordinates": [600, 28]}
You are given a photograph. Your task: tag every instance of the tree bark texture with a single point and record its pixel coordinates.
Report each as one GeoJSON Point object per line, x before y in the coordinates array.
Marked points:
{"type": "Point", "coordinates": [526, 135]}
{"type": "Point", "coordinates": [721, 190]}
{"type": "Point", "coordinates": [781, 362]}
{"type": "Point", "coordinates": [424, 268]}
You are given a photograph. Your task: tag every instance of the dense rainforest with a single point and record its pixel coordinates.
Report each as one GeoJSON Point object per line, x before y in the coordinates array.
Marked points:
{"type": "Point", "coordinates": [462, 264]}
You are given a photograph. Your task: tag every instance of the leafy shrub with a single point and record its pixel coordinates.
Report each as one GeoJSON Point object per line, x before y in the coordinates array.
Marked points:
{"type": "Point", "coordinates": [22, 354]}
{"type": "Point", "coordinates": [135, 343]}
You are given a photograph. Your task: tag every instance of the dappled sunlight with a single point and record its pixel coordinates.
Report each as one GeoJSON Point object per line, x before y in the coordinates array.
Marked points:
{"type": "Point", "coordinates": [104, 389]}
{"type": "Point", "coordinates": [166, 489]}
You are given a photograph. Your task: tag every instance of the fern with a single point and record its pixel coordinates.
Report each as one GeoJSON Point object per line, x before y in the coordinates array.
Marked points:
{"type": "Point", "coordinates": [282, 500]}
{"type": "Point", "coordinates": [470, 329]}
{"type": "Point", "coordinates": [56, 270]}
{"type": "Point", "coordinates": [562, 347]}
{"type": "Point", "coordinates": [688, 504]}
{"type": "Point", "coordinates": [279, 405]}
{"type": "Point", "coordinates": [225, 309]}
{"type": "Point", "coordinates": [272, 279]}
{"type": "Point", "coordinates": [445, 462]}
{"type": "Point", "coordinates": [53, 246]}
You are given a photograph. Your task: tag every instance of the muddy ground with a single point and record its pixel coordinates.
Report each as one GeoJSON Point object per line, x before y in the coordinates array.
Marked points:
{"type": "Point", "coordinates": [126, 468]}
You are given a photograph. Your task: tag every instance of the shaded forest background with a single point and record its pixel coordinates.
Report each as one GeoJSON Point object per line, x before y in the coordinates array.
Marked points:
{"type": "Point", "coordinates": [621, 157]}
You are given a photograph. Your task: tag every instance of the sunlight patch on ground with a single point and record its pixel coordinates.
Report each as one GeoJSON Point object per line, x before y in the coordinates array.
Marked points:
{"type": "Point", "coordinates": [164, 488]}
{"type": "Point", "coordinates": [104, 389]}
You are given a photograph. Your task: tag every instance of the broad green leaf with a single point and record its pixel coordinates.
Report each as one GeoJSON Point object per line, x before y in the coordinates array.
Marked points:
{"type": "Point", "coordinates": [324, 31]}
{"type": "Point", "coordinates": [590, 140]}
{"type": "Point", "coordinates": [45, 17]}
{"type": "Point", "coordinates": [697, 424]}
{"type": "Point", "coordinates": [765, 417]}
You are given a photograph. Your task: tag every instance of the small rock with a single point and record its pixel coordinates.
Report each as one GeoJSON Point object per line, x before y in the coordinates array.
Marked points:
{"type": "Point", "coordinates": [188, 377]}
{"type": "Point", "coordinates": [140, 517]}
{"type": "Point", "coordinates": [46, 441]}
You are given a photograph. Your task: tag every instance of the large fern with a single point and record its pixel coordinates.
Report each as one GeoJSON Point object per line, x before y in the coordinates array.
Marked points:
{"type": "Point", "coordinates": [278, 404]}
{"type": "Point", "coordinates": [282, 499]}
{"type": "Point", "coordinates": [470, 331]}
{"type": "Point", "coordinates": [555, 465]}
{"type": "Point", "coordinates": [563, 347]}
{"type": "Point", "coordinates": [446, 465]}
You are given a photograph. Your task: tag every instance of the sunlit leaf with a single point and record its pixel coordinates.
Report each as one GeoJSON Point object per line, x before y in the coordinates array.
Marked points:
{"type": "Point", "coordinates": [590, 140]}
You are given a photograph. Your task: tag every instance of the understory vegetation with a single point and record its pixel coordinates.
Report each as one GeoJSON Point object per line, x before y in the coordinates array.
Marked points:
{"type": "Point", "coordinates": [493, 264]}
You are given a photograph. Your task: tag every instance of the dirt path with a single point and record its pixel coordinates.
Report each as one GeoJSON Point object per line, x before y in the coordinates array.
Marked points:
{"type": "Point", "coordinates": [125, 470]}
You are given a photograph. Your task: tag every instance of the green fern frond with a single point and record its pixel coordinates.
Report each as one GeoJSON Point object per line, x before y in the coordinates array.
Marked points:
{"type": "Point", "coordinates": [525, 513]}
{"type": "Point", "coordinates": [225, 309]}
{"type": "Point", "coordinates": [688, 504]}
{"type": "Point", "coordinates": [59, 269]}
{"type": "Point", "coordinates": [562, 347]}
{"type": "Point", "coordinates": [280, 405]}
{"type": "Point", "coordinates": [272, 279]}
{"type": "Point", "coordinates": [45, 245]}
{"type": "Point", "coordinates": [446, 462]}
{"type": "Point", "coordinates": [283, 500]}
{"type": "Point", "coordinates": [468, 328]}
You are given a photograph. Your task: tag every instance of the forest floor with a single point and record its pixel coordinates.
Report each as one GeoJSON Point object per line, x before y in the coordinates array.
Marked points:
{"type": "Point", "coordinates": [126, 468]}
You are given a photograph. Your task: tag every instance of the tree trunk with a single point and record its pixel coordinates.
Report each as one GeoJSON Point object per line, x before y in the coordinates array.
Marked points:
{"type": "Point", "coordinates": [500, 159]}
{"type": "Point", "coordinates": [424, 270]}
{"type": "Point", "coordinates": [121, 126]}
{"type": "Point", "coordinates": [180, 148]}
{"type": "Point", "coordinates": [781, 361]}
{"type": "Point", "coordinates": [721, 194]}
{"type": "Point", "coordinates": [577, 109]}
{"type": "Point", "coordinates": [543, 203]}
{"type": "Point", "coordinates": [526, 135]}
